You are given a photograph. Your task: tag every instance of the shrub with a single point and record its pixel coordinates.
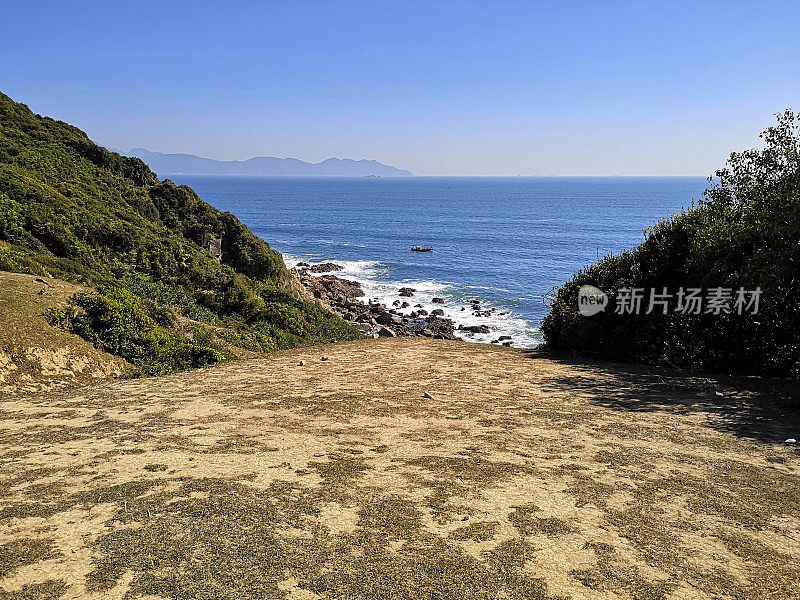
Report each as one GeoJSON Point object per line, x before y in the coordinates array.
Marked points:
{"type": "Point", "coordinates": [745, 233]}
{"type": "Point", "coordinates": [113, 320]}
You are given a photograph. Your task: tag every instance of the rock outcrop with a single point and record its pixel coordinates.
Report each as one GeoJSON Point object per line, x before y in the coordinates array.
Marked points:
{"type": "Point", "coordinates": [373, 319]}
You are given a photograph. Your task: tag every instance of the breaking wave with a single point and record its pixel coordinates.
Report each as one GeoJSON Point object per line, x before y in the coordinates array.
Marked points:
{"type": "Point", "coordinates": [378, 284]}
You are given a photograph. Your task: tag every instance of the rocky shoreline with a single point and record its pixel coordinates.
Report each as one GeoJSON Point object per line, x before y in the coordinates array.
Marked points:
{"type": "Point", "coordinates": [346, 299]}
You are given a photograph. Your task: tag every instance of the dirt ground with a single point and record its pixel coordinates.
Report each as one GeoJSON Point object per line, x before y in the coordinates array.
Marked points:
{"type": "Point", "coordinates": [35, 356]}
{"type": "Point", "coordinates": [402, 468]}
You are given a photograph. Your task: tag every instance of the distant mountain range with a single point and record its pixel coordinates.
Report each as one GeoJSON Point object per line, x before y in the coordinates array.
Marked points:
{"type": "Point", "coordinates": [189, 164]}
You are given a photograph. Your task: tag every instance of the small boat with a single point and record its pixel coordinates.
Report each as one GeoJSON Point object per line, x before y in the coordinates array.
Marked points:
{"type": "Point", "coordinates": [421, 249]}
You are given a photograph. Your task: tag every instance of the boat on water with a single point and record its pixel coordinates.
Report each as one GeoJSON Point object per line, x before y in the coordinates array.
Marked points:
{"type": "Point", "coordinates": [421, 248]}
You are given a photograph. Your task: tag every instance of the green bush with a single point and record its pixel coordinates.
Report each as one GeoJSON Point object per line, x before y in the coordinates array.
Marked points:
{"type": "Point", "coordinates": [744, 234]}
{"type": "Point", "coordinates": [113, 320]}
{"type": "Point", "coordinates": [262, 338]}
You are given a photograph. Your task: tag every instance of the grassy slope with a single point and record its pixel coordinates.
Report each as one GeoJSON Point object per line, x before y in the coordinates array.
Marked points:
{"type": "Point", "coordinates": [71, 209]}
{"type": "Point", "coordinates": [521, 478]}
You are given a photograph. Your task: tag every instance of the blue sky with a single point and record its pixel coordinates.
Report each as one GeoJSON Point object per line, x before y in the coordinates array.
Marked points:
{"type": "Point", "coordinates": [440, 88]}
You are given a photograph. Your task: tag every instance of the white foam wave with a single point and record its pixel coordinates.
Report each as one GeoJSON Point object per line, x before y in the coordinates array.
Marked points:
{"type": "Point", "coordinates": [374, 279]}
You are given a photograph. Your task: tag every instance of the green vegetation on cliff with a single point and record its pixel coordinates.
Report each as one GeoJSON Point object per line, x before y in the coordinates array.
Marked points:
{"type": "Point", "coordinates": [73, 210]}
{"type": "Point", "coordinates": [744, 234]}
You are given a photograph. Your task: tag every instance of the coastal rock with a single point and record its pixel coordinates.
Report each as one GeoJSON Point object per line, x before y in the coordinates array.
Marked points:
{"type": "Point", "coordinates": [384, 318]}
{"type": "Point", "coordinates": [438, 300]}
{"type": "Point", "coordinates": [372, 318]}
{"type": "Point", "coordinates": [441, 327]}
{"type": "Point", "coordinates": [406, 292]}
{"type": "Point", "coordinates": [326, 288]}
{"type": "Point", "coordinates": [437, 311]}
{"type": "Point", "coordinates": [475, 328]}
{"type": "Point", "coordinates": [326, 268]}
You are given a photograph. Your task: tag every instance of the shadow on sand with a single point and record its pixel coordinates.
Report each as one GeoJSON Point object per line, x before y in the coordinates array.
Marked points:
{"type": "Point", "coordinates": [762, 409]}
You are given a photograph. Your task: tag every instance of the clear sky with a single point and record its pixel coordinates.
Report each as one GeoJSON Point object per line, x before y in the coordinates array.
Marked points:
{"type": "Point", "coordinates": [436, 87]}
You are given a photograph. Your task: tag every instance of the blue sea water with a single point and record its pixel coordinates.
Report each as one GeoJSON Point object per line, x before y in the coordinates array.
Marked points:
{"type": "Point", "coordinates": [504, 241]}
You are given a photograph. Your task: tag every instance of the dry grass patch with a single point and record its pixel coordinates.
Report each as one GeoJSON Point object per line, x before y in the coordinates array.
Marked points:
{"type": "Point", "coordinates": [529, 478]}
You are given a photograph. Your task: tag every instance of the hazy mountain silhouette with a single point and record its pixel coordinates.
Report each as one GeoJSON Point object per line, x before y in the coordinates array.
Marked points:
{"type": "Point", "coordinates": [189, 164]}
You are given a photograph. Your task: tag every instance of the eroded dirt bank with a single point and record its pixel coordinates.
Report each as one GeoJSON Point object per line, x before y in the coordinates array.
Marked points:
{"type": "Point", "coordinates": [407, 468]}
{"type": "Point", "coordinates": [35, 356]}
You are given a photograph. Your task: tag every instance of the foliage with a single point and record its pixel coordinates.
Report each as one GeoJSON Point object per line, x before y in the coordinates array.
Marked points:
{"type": "Point", "coordinates": [745, 233]}
{"type": "Point", "coordinates": [73, 210]}
{"type": "Point", "coordinates": [114, 320]}
{"type": "Point", "coordinates": [249, 338]}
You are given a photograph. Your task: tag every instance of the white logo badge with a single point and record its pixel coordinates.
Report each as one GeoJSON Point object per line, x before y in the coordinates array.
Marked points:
{"type": "Point", "coordinates": [591, 300]}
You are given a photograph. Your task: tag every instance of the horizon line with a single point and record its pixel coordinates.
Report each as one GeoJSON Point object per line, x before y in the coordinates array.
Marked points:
{"type": "Point", "coordinates": [414, 176]}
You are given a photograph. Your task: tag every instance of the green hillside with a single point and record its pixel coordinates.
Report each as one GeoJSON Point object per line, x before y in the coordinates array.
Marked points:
{"type": "Point", "coordinates": [744, 234]}
{"type": "Point", "coordinates": [71, 209]}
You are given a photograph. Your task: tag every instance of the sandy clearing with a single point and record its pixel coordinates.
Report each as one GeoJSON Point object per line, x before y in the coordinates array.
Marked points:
{"type": "Point", "coordinates": [522, 477]}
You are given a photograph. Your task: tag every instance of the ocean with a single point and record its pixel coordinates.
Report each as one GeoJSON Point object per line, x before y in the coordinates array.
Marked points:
{"type": "Point", "coordinates": [504, 241]}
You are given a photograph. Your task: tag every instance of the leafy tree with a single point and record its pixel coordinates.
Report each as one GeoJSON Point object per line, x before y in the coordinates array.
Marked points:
{"type": "Point", "coordinates": [745, 233]}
